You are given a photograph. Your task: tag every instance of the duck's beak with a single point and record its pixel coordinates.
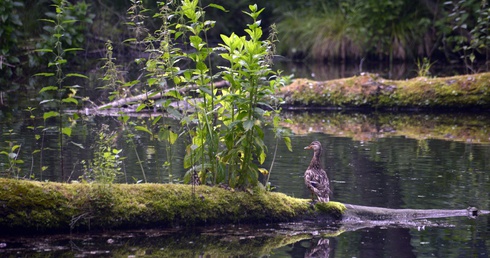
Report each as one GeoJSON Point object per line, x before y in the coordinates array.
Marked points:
{"type": "Point", "coordinates": [308, 147]}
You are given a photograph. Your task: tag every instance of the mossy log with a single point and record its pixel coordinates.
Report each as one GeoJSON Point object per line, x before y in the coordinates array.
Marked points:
{"type": "Point", "coordinates": [48, 207]}
{"type": "Point", "coordinates": [372, 91]}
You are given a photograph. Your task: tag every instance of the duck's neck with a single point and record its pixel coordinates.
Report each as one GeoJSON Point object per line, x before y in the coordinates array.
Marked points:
{"type": "Point", "coordinates": [315, 161]}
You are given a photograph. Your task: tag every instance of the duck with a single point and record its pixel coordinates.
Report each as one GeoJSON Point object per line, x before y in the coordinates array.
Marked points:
{"type": "Point", "coordinates": [316, 178]}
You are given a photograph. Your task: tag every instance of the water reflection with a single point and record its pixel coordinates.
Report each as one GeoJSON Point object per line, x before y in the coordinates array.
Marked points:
{"type": "Point", "coordinates": [277, 240]}
{"type": "Point", "coordinates": [420, 161]}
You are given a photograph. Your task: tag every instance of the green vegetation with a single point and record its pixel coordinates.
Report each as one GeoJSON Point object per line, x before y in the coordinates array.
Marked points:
{"type": "Point", "coordinates": [386, 30]}
{"type": "Point", "coordinates": [224, 136]}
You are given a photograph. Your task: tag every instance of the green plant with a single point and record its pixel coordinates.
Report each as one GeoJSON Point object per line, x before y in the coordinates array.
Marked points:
{"type": "Point", "coordinates": [354, 29]}
{"type": "Point", "coordinates": [423, 67]}
{"type": "Point", "coordinates": [55, 97]}
{"type": "Point", "coordinates": [70, 19]}
{"type": "Point", "coordinates": [465, 30]}
{"type": "Point", "coordinates": [12, 154]}
{"type": "Point", "coordinates": [105, 165]}
{"type": "Point", "coordinates": [245, 102]}
{"type": "Point", "coordinates": [10, 37]}
{"type": "Point", "coordinates": [225, 131]}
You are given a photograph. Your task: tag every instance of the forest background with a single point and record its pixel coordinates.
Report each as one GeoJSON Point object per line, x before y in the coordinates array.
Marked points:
{"type": "Point", "coordinates": [322, 31]}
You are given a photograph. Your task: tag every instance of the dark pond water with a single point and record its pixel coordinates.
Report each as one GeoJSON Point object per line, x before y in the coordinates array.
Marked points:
{"type": "Point", "coordinates": [372, 159]}
{"type": "Point", "coordinates": [420, 161]}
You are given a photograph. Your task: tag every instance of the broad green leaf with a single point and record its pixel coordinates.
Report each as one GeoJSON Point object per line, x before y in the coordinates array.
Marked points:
{"type": "Point", "coordinates": [155, 120]}
{"type": "Point", "coordinates": [50, 114]}
{"type": "Point", "coordinates": [173, 94]}
{"type": "Point", "coordinates": [70, 100]}
{"type": "Point", "coordinates": [73, 49]}
{"type": "Point", "coordinates": [151, 81]}
{"type": "Point", "coordinates": [196, 42]}
{"type": "Point", "coordinates": [44, 74]}
{"type": "Point", "coordinates": [15, 147]}
{"type": "Point", "coordinates": [287, 141]}
{"type": "Point", "coordinates": [76, 75]}
{"type": "Point", "coordinates": [201, 66]}
{"type": "Point", "coordinates": [218, 7]}
{"type": "Point", "coordinates": [143, 129]}
{"type": "Point", "coordinates": [140, 107]}
{"type": "Point", "coordinates": [172, 137]}
{"type": "Point", "coordinates": [69, 21]}
{"type": "Point", "coordinates": [66, 131]}
{"type": "Point", "coordinates": [275, 121]}
{"type": "Point", "coordinates": [248, 124]}
{"type": "Point", "coordinates": [47, 20]}
{"type": "Point", "coordinates": [205, 90]}
{"type": "Point", "coordinates": [262, 157]}
{"type": "Point", "coordinates": [47, 50]}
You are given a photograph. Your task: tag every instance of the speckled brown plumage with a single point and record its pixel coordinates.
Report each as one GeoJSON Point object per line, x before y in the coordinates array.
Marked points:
{"type": "Point", "coordinates": [316, 178]}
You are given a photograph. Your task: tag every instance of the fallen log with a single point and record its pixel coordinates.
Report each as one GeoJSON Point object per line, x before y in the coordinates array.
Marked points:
{"type": "Point", "coordinates": [156, 95]}
{"type": "Point", "coordinates": [49, 207]}
{"type": "Point", "coordinates": [358, 212]}
{"type": "Point", "coordinates": [370, 91]}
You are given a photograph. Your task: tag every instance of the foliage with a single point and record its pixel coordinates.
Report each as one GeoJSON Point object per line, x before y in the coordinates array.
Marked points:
{"type": "Point", "coordinates": [57, 96]}
{"type": "Point", "coordinates": [105, 164]}
{"type": "Point", "coordinates": [423, 67]}
{"type": "Point", "coordinates": [10, 38]}
{"type": "Point", "coordinates": [71, 19]}
{"type": "Point", "coordinates": [347, 30]}
{"type": "Point", "coordinates": [225, 132]}
{"type": "Point", "coordinates": [466, 30]}
{"type": "Point", "coordinates": [11, 153]}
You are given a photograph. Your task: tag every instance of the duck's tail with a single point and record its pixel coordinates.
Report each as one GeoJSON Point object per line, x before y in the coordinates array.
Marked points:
{"type": "Point", "coordinates": [324, 198]}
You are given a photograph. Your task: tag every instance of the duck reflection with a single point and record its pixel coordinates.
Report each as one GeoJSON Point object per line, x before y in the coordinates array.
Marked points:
{"type": "Point", "coordinates": [319, 249]}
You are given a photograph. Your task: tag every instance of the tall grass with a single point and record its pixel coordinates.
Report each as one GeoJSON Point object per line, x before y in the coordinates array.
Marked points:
{"type": "Point", "coordinates": [352, 31]}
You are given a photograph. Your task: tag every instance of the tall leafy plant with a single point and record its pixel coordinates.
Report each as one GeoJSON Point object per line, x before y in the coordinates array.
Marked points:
{"type": "Point", "coordinates": [226, 128]}
{"type": "Point", "coordinates": [252, 81]}
{"type": "Point", "coordinates": [59, 95]}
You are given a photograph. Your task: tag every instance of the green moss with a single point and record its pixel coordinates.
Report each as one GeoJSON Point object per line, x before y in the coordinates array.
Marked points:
{"type": "Point", "coordinates": [37, 206]}
{"type": "Point", "coordinates": [335, 209]}
{"type": "Point", "coordinates": [465, 91]}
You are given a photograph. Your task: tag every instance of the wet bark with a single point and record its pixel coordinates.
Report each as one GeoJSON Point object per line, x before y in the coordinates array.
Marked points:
{"type": "Point", "coordinates": [358, 212]}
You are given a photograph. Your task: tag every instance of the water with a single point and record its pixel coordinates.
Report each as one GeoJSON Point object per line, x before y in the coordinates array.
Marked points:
{"type": "Point", "coordinates": [415, 160]}
{"type": "Point", "coordinates": [372, 159]}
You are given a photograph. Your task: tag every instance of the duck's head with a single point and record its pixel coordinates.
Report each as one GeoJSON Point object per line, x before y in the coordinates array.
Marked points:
{"type": "Point", "coordinates": [315, 145]}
